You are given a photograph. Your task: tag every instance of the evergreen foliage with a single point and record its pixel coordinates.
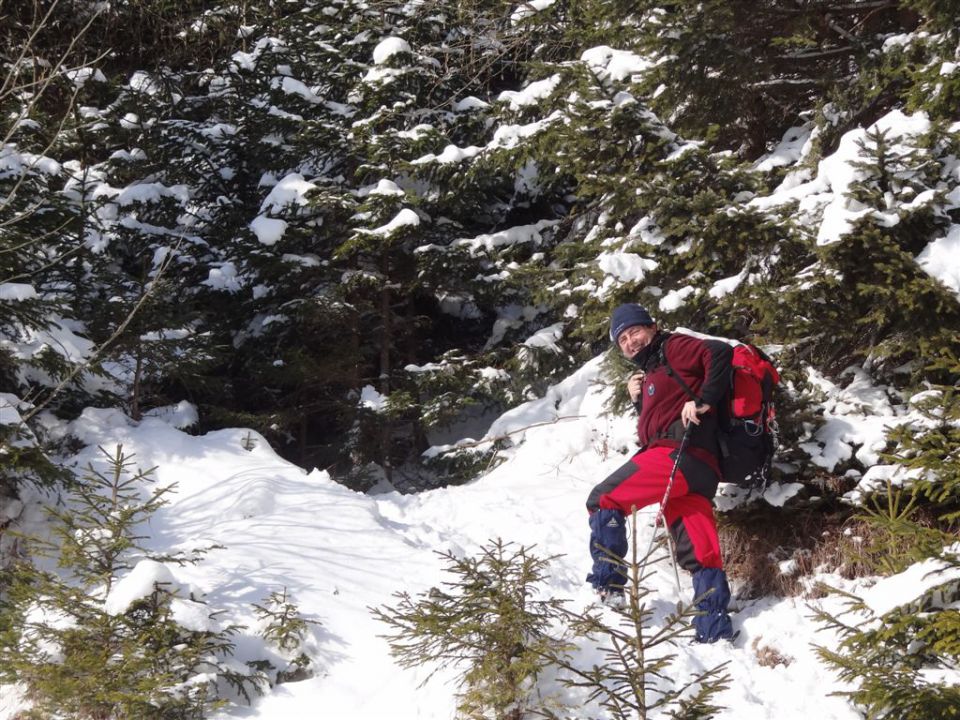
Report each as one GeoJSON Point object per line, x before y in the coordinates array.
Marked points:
{"type": "Point", "coordinates": [635, 678]}
{"type": "Point", "coordinates": [287, 630]}
{"type": "Point", "coordinates": [895, 658]}
{"type": "Point", "coordinates": [353, 225]}
{"type": "Point", "coordinates": [740, 73]}
{"type": "Point", "coordinates": [85, 644]}
{"type": "Point", "coordinates": [488, 624]}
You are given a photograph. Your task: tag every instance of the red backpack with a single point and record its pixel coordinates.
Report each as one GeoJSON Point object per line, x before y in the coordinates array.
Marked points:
{"type": "Point", "coordinates": [748, 433]}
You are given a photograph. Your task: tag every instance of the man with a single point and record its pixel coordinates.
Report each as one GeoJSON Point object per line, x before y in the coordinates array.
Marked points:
{"type": "Point", "coordinates": [673, 369]}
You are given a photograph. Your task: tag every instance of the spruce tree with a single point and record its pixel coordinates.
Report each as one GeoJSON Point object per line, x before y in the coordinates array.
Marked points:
{"type": "Point", "coordinates": [487, 623]}
{"type": "Point", "coordinates": [286, 629]}
{"type": "Point", "coordinates": [896, 659]}
{"type": "Point", "coordinates": [97, 626]}
{"type": "Point", "coordinates": [739, 74]}
{"type": "Point", "coordinates": [635, 678]}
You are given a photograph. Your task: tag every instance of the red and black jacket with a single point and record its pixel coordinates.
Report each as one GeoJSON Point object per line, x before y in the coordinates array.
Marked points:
{"type": "Point", "coordinates": [704, 367]}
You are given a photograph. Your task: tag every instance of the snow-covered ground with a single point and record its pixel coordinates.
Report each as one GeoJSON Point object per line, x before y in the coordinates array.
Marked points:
{"type": "Point", "coordinates": [339, 553]}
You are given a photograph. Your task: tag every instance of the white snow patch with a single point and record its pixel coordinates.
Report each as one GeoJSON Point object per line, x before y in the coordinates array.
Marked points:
{"type": "Point", "coordinates": [451, 154]}
{"type": "Point", "coordinates": [519, 234]}
{"type": "Point", "coordinates": [10, 409]}
{"type": "Point", "coordinates": [183, 415]}
{"type": "Point", "coordinates": [405, 218]}
{"type": "Point", "coordinates": [138, 584]}
{"type": "Point", "coordinates": [940, 259]}
{"type": "Point", "coordinates": [470, 103]}
{"type": "Point", "coordinates": [17, 292]}
{"type": "Point", "coordinates": [626, 267]}
{"type": "Point", "coordinates": [675, 299]}
{"type": "Point", "coordinates": [612, 64]}
{"type": "Point", "coordinates": [529, 8]}
{"type": "Point", "coordinates": [546, 338]}
{"type": "Point", "coordinates": [388, 47]}
{"type": "Point", "coordinates": [898, 590]}
{"type": "Point", "coordinates": [794, 145]}
{"type": "Point", "coordinates": [291, 190]}
{"type": "Point", "coordinates": [531, 94]}
{"type": "Point", "coordinates": [727, 285]}
{"type": "Point", "coordinates": [224, 277]}
{"type": "Point", "coordinates": [268, 230]}
{"type": "Point", "coordinates": [370, 398]}
{"type": "Point", "coordinates": [383, 187]}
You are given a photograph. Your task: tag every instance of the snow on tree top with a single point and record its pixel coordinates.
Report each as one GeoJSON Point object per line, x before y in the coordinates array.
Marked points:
{"type": "Point", "coordinates": [370, 398]}
{"type": "Point", "coordinates": [795, 145]}
{"type": "Point", "coordinates": [224, 277]}
{"type": "Point", "coordinates": [138, 584]}
{"type": "Point", "coordinates": [939, 259]}
{"type": "Point", "coordinates": [14, 163]}
{"type": "Point", "coordinates": [469, 103]}
{"type": "Point", "coordinates": [403, 218]}
{"type": "Point", "coordinates": [727, 285]}
{"type": "Point", "coordinates": [509, 136]}
{"type": "Point", "coordinates": [610, 64]}
{"type": "Point", "coordinates": [17, 292]}
{"type": "Point", "coordinates": [292, 86]}
{"type": "Point", "coordinates": [292, 189]}
{"type": "Point", "coordinates": [388, 47]}
{"type": "Point", "coordinates": [527, 9]}
{"type": "Point", "coordinates": [143, 82]}
{"type": "Point", "coordinates": [510, 236]}
{"type": "Point", "coordinates": [840, 172]}
{"type": "Point", "coordinates": [268, 230]}
{"type": "Point", "coordinates": [81, 76]}
{"type": "Point", "coordinates": [451, 154]}
{"type": "Point", "coordinates": [531, 94]}
{"type": "Point", "coordinates": [546, 338]}
{"type": "Point", "coordinates": [149, 192]}
{"type": "Point", "coordinates": [626, 267]}
{"type": "Point", "coordinates": [383, 187]}
{"type": "Point", "coordinates": [675, 299]}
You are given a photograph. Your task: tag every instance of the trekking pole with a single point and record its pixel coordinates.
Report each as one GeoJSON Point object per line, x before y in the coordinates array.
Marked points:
{"type": "Point", "coordinates": [666, 496]}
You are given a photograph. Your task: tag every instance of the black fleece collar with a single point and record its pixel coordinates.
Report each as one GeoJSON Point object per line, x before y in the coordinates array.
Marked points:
{"type": "Point", "coordinates": [649, 358]}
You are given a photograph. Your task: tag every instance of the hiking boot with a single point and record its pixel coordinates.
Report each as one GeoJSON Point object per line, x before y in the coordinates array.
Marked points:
{"type": "Point", "coordinates": [612, 597]}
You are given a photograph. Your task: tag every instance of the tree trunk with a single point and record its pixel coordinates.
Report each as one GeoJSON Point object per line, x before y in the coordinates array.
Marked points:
{"type": "Point", "coordinates": [386, 339]}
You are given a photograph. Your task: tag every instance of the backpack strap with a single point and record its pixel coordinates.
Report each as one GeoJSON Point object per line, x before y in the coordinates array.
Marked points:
{"type": "Point", "coordinates": [670, 371]}
{"type": "Point", "coordinates": [672, 431]}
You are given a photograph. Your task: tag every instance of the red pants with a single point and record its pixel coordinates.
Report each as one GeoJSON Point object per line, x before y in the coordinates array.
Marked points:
{"type": "Point", "coordinates": [689, 516]}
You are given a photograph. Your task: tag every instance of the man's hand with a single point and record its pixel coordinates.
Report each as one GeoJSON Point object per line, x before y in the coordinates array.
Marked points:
{"type": "Point", "coordinates": [691, 411]}
{"type": "Point", "coordinates": [635, 385]}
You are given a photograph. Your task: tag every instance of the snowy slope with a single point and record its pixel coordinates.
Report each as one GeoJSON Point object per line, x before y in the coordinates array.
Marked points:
{"type": "Point", "coordinates": [339, 552]}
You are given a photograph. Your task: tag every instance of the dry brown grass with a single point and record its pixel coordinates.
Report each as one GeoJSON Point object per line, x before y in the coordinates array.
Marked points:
{"type": "Point", "coordinates": [756, 542]}
{"type": "Point", "coordinates": [768, 656]}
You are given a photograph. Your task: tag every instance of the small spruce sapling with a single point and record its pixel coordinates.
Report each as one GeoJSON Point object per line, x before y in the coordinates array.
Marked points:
{"type": "Point", "coordinates": [83, 652]}
{"type": "Point", "coordinates": [896, 660]}
{"type": "Point", "coordinates": [286, 629]}
{"type": "Point", "coordinates": [636, 680]}
{"type": "Point", "coordinates": [486, 623]}
{"type": "Point", "coordinates": [900, 661]}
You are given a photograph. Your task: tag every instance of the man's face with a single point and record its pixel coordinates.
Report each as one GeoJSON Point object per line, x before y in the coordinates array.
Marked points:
{"type": "Point", "coordinates": [635, 338]}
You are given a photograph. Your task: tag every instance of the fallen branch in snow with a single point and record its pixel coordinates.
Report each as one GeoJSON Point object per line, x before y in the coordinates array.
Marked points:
{"type": "Point", "coordinates": [504, 436]}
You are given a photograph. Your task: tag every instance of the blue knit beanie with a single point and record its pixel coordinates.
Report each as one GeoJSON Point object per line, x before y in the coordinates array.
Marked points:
{"type": "Point", "coordinates": [626, 316]}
